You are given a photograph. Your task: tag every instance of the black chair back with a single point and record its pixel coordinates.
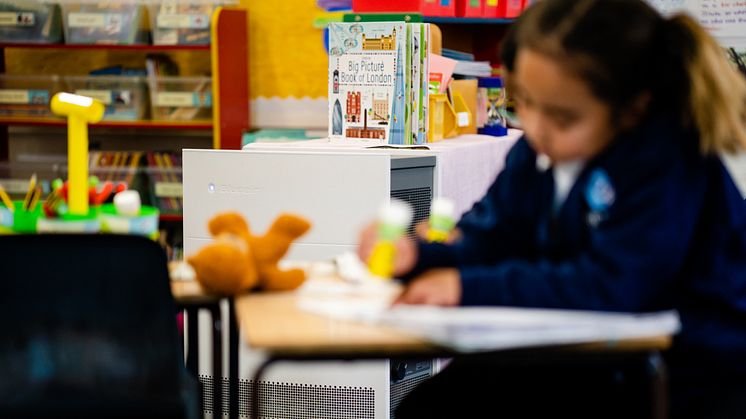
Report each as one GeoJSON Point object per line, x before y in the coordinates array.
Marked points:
{"type": "Point", "coordinates": [88, 328]}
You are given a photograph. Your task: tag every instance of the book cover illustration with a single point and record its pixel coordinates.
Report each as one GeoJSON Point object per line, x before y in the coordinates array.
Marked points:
{"type": "Point", "coordinates": [366, 82]}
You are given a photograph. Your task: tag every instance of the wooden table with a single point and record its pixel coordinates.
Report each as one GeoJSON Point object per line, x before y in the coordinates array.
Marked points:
{"type": "Point", "coordinates": [274, 323]}
{"type": "Point", "coordinates": [292, 331]}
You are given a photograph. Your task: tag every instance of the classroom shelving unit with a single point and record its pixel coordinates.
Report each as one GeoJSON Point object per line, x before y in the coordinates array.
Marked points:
{"type": "Point", "coordinates": [230, 83]}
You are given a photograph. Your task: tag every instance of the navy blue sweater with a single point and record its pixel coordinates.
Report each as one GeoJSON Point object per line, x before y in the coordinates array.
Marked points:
{"type": "Point", "coordinates": [650, 224]}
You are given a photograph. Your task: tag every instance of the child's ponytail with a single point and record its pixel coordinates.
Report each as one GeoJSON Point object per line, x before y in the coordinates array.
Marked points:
{"type": "Point", "coordinates": [625, 50]}
{"type": "Point", "coordinates": [716, 103]}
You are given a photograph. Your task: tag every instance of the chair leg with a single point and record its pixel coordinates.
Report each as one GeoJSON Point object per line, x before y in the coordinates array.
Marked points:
{"type": "Point", "coordinates": [217, 362]}
{"type": "Point", "coordinates": [233, 378]}
{"type": "Point", "coordinates": [192, 363]}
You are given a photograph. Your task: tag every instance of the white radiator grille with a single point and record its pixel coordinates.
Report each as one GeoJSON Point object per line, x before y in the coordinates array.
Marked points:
{"type": "Point", "coordinates": [297, 401]}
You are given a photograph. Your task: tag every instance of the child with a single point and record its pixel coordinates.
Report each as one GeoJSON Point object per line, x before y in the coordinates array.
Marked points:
{"type": "Point", "coordinates": [614, 200]}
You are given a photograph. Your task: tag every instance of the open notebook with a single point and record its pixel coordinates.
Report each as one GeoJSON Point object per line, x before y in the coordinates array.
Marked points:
{"type": "Point", "coordinates": [477, 329]}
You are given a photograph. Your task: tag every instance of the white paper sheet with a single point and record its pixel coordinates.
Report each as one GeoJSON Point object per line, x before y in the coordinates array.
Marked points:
{"type": "Point", "coordinates": [477, 329]}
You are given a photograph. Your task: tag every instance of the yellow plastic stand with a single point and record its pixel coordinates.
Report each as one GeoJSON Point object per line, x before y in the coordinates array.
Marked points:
{"type": "Point", "coordinates": [448, 120]}
{"type": "Point", "coordinates": [80, 111]}
{"type": "Point", "coordinates": [468, 91]}
{"type": "Point", "coordinates": [442, 118]}
{"type": "Point", "coordinates": [464, 116]}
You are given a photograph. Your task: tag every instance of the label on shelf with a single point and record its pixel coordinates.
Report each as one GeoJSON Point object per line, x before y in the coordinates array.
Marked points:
{"type": "Point", "coordinates": [17, 19]}
{"type": "Point", "coordinates": [104, 96]}
{"type": "Point", "coordinates": [183, 99]}
{"type": "Point", "coordinates": [23, 97]}
{"type": "Point", "coordinates": [108, 97]}
{"type": "Point", "coordinates": [111, 21]}
{"type": "Point", "coordinates": [169, 190]}
{"type": "Point", "coordinates": [181, 21]}
{"type": "Point", "coordinates": [15, 186]}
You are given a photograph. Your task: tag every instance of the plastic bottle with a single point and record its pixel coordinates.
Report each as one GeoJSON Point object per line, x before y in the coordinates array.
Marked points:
{"type": "Point", "coordinates": [393, 220]}
{"type": "Point", "coordinates": [442, 220]}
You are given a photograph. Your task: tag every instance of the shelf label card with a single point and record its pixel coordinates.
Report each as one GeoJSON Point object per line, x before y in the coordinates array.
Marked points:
{"type": "Point", "coordinates": [15, 186]}
{"type": "Point", "coordinates": [169, 190]}
{"type": "Point", "coordinates": [24, 97]}
{"type": "Point", "coordinates": [182, 21]}
{"type": "Point", "coordinates": [17, 19]}
{"type": "Point", "coordinates": [185, 99]}
{"type": "Point", "coordinates": [111, 21]}
{"type": "Point", "coordinates": [104, 96]}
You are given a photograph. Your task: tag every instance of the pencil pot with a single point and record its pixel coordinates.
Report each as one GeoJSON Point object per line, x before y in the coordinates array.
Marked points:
{"type": "Point", "coordinates": [6, 218]}
{"type": "Point", "coordinates": [71, 223]}
{"type": "Point", "coordinates": [143, 224]}
{"type": "Point", "coordinates": [25, 221]}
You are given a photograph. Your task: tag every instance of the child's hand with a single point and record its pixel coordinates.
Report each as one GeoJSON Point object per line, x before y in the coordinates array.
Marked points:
{"type": "Point", "coordinates": [441, 287]}
{"type": "Point", "coordinates": [406, 250]}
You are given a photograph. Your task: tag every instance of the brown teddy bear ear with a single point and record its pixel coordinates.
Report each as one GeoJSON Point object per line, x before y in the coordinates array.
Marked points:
{"type": "Point", "coordinates": [228, 222]}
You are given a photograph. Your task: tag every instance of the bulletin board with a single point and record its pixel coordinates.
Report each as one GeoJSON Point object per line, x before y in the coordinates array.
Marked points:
{"type": "Point", "coordinates": [287, 64]}
{"type": "Point", "coordinates": [286, 53]}
{"type": "Point", "coordinates": [725, 19]}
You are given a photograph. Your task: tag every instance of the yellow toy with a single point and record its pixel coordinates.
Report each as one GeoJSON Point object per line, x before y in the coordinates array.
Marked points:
{"type": "Point", "coordinates": [393, 220]}
{"type": "Point", "coordinates": [80, 111]}
{"type": "Point", "coordinates": [442, 220]}
{"type": "Point", "coordinates": [238, 261]}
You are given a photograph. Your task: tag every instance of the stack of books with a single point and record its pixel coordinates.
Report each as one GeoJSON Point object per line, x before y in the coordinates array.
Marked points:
{"type": "Point", "coordinates": [378, 76]}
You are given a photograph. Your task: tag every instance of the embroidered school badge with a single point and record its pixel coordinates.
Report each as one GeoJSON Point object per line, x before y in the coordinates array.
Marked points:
{"type": "Point", "coordinates": [600, 196]}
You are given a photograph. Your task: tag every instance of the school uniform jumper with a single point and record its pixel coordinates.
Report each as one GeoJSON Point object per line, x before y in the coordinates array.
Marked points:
{"type": "Point", "coordinates": [650, 224]}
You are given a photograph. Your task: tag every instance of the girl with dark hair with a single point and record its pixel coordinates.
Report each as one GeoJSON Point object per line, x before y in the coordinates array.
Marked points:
{"type": "Point", "coordinates": [616, 199]}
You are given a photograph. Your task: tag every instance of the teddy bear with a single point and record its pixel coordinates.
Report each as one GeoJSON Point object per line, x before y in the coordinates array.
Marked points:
{"type": "Point", "coordinates": [238, 261]}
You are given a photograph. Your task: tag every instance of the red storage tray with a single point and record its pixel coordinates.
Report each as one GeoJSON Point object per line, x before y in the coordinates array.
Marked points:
{"type": "Point", "coordinates": [469, 8]}
{"type": "Point", "coordinates": [444, 8]}
{"type": "Point", "coordinates": [503, 9]}
{"type": "Point", "coordinates": [367, 6]}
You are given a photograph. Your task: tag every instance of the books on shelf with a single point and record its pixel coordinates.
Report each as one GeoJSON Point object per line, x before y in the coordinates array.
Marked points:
{"type": "Point", "coordinates": [156, 175]}
{"type": "Point", "coordinates": [116, 166]}
{"type": "Point", "coordinates": [473, 68]}
{"type": "Point", "coordinates": [164, 170]}
{"type": "Point", "coordinates": [457, 55]}
{"type": "Point", "coordinates": [376, 77]}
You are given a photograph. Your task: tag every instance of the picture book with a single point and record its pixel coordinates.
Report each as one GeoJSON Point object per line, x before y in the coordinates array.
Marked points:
{"type": "Point", "coordinates": [367, 85]}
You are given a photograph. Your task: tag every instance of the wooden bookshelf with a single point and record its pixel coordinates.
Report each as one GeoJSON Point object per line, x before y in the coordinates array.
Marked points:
{"type": "Point", "coordinates": [146, 48]}
{"type": "Point", "coordinates": [230, 81]}
{"type": "Point", "coordinates": [160, 125]}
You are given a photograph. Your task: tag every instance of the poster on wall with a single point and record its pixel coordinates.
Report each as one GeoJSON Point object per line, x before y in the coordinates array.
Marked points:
{"type": "Point", "coordinates": [724, 19]}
